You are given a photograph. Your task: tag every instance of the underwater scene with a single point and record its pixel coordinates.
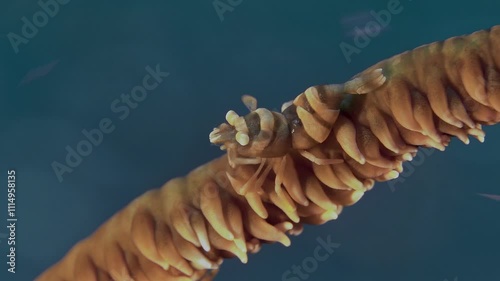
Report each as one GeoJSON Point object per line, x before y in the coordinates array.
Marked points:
{"type": "Point", "coordinates": [249, 140]}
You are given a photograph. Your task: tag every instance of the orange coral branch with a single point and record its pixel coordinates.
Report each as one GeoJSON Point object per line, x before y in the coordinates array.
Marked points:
{"type": "Point", "coordinates": [230, 206]}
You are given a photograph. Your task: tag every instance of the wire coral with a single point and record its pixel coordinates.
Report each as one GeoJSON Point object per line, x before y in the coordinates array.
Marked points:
{"type": "Point", "coordinates": [300, 166]}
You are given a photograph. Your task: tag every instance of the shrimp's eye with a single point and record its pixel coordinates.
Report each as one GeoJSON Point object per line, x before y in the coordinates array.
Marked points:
{"type": "Point", "coordinates": [242, 138]}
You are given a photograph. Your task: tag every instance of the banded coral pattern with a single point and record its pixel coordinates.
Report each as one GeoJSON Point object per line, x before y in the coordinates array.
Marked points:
{"type": "Point", "coordinates": [185, 229]}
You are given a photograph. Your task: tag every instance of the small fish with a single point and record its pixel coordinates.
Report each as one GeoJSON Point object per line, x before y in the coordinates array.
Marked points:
{"type": "Point", "coordinates": [490, 196]}
{"type": "Point", "coordinates": [38, 72]}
